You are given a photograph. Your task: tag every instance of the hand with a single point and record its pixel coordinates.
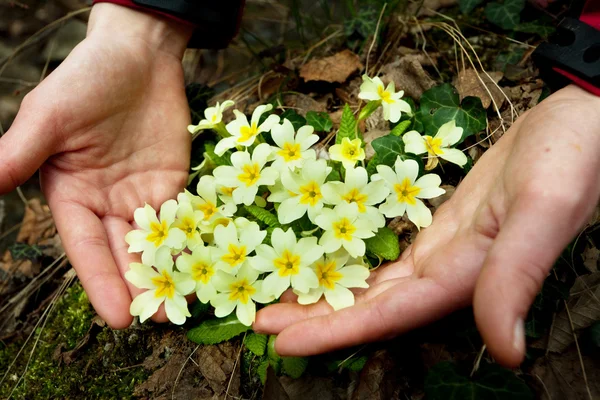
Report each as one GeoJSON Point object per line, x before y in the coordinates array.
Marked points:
{"type": "Point", "coordinates": [491, 245]}
{"type": "Point", "coordinates": [109, 127]}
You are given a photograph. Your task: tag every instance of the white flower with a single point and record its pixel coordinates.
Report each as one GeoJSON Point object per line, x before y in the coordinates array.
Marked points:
{"type": "Point", "coordinates": [344, 227]}
{"type": "Point", "coordinates": [234, 243]}
{"type": "Point", "coordinates": [393, 107]}
{"type": "Point", "coordinates": [155, 233]}
{"type": "Point", "coordinates": [189, 221]}
{"type": "Point", "coordinates": [406, 191]}
{"type": "Point", "coordinates": [201, 268]}
{"type": "Point", "coordinates": [288, 262]}
{"type": "Point", "coordinates": [357, 189]}
{"type": "Point", "coordinates": [244, 133]}
{"type": "Point", "coordinates": [164, 285]}
{"type": "Point", "coordinates": [213, 116]}
{"type": "Point", "coordinates": [247, 174]}
{"type": "Point", "coordinates": [439, 145]}
{"type": "Point", "coordinates": [239, 292]}
{"type": "Point", "coordinates": [292, 150]}
{"type": "Point", "coordinates": [335, 277]}
{"type": "Point", "coordinates": [304, 189]}
{"type": "Point", "coordinates": [206, 202]}
{"type": "Point", "coordinates": [348, 152]}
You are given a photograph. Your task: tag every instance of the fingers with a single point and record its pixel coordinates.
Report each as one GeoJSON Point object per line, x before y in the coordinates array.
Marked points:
{"type": "Point", "coordinates": [26, 145]}
{"type": "Point", "coordinates": [410, 304]}
{"type": "Point", "coordinates": [515, 268]}
{"type": "Point", "coordinates": [86, 244]}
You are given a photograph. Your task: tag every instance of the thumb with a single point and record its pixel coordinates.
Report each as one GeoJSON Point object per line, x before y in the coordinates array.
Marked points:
{"type": "Point", "coordinates": [27, 144]}
{"type": "Point", "coordinates": [530, 239]}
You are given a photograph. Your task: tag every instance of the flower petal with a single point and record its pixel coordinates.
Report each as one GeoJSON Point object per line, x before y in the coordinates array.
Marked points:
{"type": "Point", "coordinates": [223, 306]}
{"type": "Point", "coordinates": [141, 275]}
{"type": "Point", "coordinates": [305, 280]}
{"type": "Point", "coordinates": [290, 210]}
{"type": "Point", "coordinates": [406, 169]}
{"type": "Point", "coordinates": [246, 313]}
{"type": "Point", "coordinates": [430, 186]}
{"type": "Point", "coordinates": [308, 250]}
{"type": "Point", "coordinates": [419, 214]}
{"type": "Point", "coordinates": [339, 297]}
{"type": "Point", "coordinates": [177, 309]}
{"type": "Point", "coordinates": [354, 276]}
{"type": "Point", "coordinates": [274, 284]}
{"type": "Point", "coordinates": [311, 297]}
{"type": "Point", "coordinates": [454, 156]}
{"type": "Point", "coordinates": [145, 305]}
{"type": "Point", "coordinates": [283, 133]}
{"type": "Point", "coordinates": [414, 142]}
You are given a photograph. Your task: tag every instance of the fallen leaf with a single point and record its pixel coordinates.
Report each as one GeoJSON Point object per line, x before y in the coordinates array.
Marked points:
{"type": "Point", "coordinates": [408, 74]}
{"type": "Point", "coordinates": [438, 201]}
{"type": "Point", "coordinates": [471, 83]}
{"type": "Point", "coordinates": [378, 379]}
{"type": "Point", "coordinates": [336, 68]}
{"type": "Point", "coordinates": [559, 377]}
{"type": "Point", "coordinates": [427, 8]}
{"type": "Point", "coordinates": [302, 103]}
{"type": "Point", "coordinates": [37, 223]}
{"type": "Point", "coordinates": [584, 307]}
{"type": "Point", "coordinates": [591, 258]}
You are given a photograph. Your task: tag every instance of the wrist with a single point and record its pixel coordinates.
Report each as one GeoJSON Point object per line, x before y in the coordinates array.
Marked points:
{"type": "Point", "coordinates": [158, 33]}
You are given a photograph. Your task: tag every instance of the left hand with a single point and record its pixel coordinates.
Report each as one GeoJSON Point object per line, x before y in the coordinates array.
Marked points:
{"type": "Point", "coordinates": [491, 245]}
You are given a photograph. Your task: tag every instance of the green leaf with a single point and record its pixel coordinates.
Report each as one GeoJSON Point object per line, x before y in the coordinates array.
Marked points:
{"type": "Point", "coordinates": [262, 215]}
{"type": "Point", "coordinates": [321, 121]}
{"type": "Point", "coordinates": [511, 57]}
{"type": "Point", "coordinates": [348, 126]}
{"type": "Point", "coordinates": [369, 109]}
{"type": "Point", "coordinates": [302, 225]}
{"type": "Point", "coordinates": [384, 244]}
{"type": "Point", "coordinates": [209, 153]}
{"type": "Point", "coordinates": [199, 309]}
{"type": "Point", "coordinates": [466, 6]}
{"type": "Point", "coordinates": [217, 330]}
{"type": "Point", "coordinates": [262, 370]}
{"type": "Point", "coordinates": [294, 366]}
{"type": "Point", "coordinates": [24, 251]}
{"type": "Point", "coordinates": [401, 128]}
{"type": "Point", "coordinates": [506, 15]}
{"type": "Point", "coordinates": [447, 381]}
{"type": "Point", "coordinates": [272, 356]}
{"type": "Point", "coordinates": [441, 104]}
{"type": "Point", "coordinates": [256, 343]}
{"type": "Point", "coordinates": [388, 148]}
{"type": "Point", "coordinates": [355, 364]}
{"type": "Point", "coordinates": [536, 28]}
{"type": "Point", "coordinates": [372, 165]}
{"type": "Point", "coordinates": [297, 120]}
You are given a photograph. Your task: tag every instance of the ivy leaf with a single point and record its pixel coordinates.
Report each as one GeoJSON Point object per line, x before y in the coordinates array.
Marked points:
{"type": "Point", "coordinates": [384, 244]}
{"type": "Point", "coordinates": [372, 165]}
{"type": "Point", "coordinates": [321, 121]}
{"type": "Point", "coordinates": [256, 343]}
{"type": "Point", "coordinates": [506, 15]}
{"type": "Point", "coordinates": [447, 381]}
{"type": "Point", "coordinates": [209, 153]}
{"type": "Point", "coordinates": [263, 215]}
{"type": "Point", "coordinates": [401, 128]}
{"type": "Point", "coordinates": [466, 6]}
{"type": "Point", "coordinates": [217, 330]}
{"type": "Point", "coordinates": [348, 126]}
{"type": "Point", "coordinates": [536, 28]}
{"type": "Point", "coordinates": [297, 120]}
{"type": "Point", "coordinates": [441, 104]}
{"type": "Point", "coordinates": [294, 366]}
{"type": "Point", "coordinates": [388, 148]}
{"type": "Point", "coordinates": [24, 251]}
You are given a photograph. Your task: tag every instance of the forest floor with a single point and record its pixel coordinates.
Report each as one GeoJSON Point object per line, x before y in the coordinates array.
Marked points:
{"type": "Point", "coordinates": [53, 345]}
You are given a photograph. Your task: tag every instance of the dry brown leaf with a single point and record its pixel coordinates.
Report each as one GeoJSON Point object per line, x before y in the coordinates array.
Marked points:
{"type": "Point", "coordinates": [426, 8]}
{"type": "Point", "coordinates": [468, 83]}
{"type": "Point", "coordinates": [562, 377]}
{"type": "Point", "coordinates": [379, 379]}
{"type": "Point", "coordinates": [584, 307]}
{"type": "Point", "coordinates": [591, 258]}
{"type": "Point", "coordinates": [408, 74]}
{"type": "Point", "coordinates": [336, 68]}
{"type": "Point", "coordinates": [438, 201]}
{"type": "Point", "coordinates": [302, 103]}
{"type": "Point", "coordinates": [37, 223]}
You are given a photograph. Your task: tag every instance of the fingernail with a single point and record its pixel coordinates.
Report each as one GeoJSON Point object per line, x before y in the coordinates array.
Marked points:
{"type": "Point", "coordinates": [519, 335]}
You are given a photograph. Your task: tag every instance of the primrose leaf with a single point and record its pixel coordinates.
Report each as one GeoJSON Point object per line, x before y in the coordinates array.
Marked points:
{"type": "Point", "coordinates": [217, 330]}
{"type": "Point", "coordinates": [506, 15]}
{"type": "Point", "coordinates": [294, 366]}
{"type": "Point", "coordinates": [441, 104]}
{"type": "Point", "coordinates": [263, 215]}
{"type": "Point", "coordinates": [384, 244]}
{"type": "Point", "coordinates": [466, 6]}
{"type": "Point", "coordinates": [297, 120]}
{"type": "Point", "coordinates": [256, 343]}
{"type": "Point", "coordinates": [272, 356]}
{"type": "Point", "coordinates": [262, 370]}
{"type": "Point", "coordinates": [348, 126]}
{"type": "Point", "coordinates": [209, 153]}
{"type": "Point", "coordinates": [447, 381]}
{"type": "Point", "coordinates": [321, 121]}
{"type": "Point", "coordinates": [401, 128]}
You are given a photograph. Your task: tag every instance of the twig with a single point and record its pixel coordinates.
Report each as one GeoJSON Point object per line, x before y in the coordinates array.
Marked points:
{"type": "Point", "coordinates": [181, 370]}
{"type": "Point", "coordinates": [585, 380]}
{"type": "Point", "coordinates": [478, 360]}
{"type": "Point", "coordinates": [235, 366]}
{"type": "Point", "coordinates": [374, 38]}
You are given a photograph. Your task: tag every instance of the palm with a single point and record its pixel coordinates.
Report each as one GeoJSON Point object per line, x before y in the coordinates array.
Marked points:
{"type": "Point", "coordinates": [125, 143]}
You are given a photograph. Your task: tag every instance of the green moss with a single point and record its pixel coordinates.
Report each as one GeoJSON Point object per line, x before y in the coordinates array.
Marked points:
{"type": "Point", "coordinates": [107, 367]}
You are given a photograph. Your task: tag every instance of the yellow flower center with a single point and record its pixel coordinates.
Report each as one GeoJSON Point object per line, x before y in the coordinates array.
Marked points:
{"type": "Point", "coordinates": [310, 193]}
{"type": "Point", "coordinates": [355, 196]}
{"type": "Point", "coordinates": [290, 152]}
{"type": "Point", "coordinates": [187, 225]}
{"type": "Point", "coordinates": [406, 192]}
{"type": "Point", "coordinates": [385, 95]}
{"type": "Point", "coordinates": [214, 118]}
{"type": "Point", "coordinates": [202, 272]}
{"type": "Point", "coordinates": [247, 133]}
{"type": "Point", "coordinates": [434, 146]}
{"type": "Point", "coordinates": [241, 290]}
{"type": "Point", "coordinates": [343, 229]}
{"type": "Point", "coordinates": [227, 191]}
{"type": "Point", "coordinates": [164, 285]}
{"type": "Point", "coordinates": [208, 208]}
{"type": "Point", "coordinates": [236, 255]}
{"type": "Point", "coordinates": [288, 264]}
{"type": "Point", "coordinates": [250, 174]}
{"type": "Point", "coordinates": [352, 150]}
{"type": "Point", "coordinates": [158, 233]}
{"type": "Point", "coordinates": [327, 274]}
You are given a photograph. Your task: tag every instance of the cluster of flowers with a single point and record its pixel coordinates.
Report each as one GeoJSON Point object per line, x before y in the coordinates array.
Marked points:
{"type": "Point", "coordinates": [198, 244]}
